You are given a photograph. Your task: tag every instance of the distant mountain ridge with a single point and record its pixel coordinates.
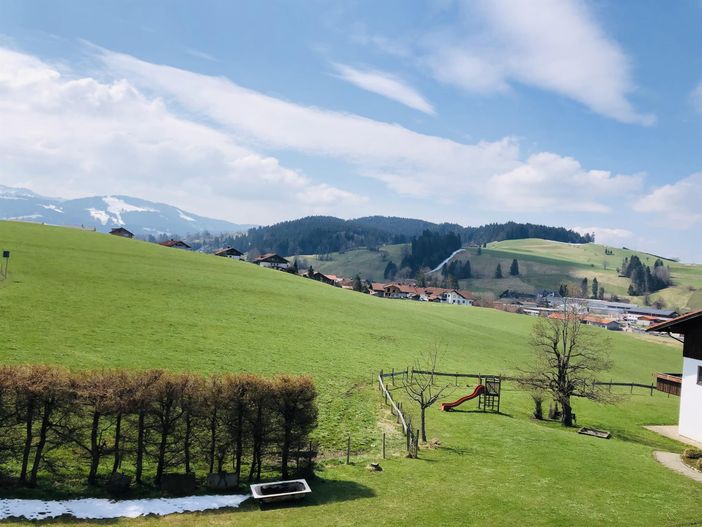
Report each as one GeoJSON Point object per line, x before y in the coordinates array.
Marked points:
{"type": "Point", "coordinates": [140, 216]}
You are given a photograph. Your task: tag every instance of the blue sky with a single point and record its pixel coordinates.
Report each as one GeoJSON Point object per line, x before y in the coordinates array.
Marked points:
{"type": "Point", "coordinates": [582, 114]}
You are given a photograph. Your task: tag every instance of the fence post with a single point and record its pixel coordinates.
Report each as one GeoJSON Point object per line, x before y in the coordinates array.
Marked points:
{"type": "Point", "coordinates": [348, 450]}
{"type": "Point", "coordinates": [383, 445]}
{"type": "Point", "coordinates": [651, 389]}
{"type": "Point", "coordinates": [393, 376]}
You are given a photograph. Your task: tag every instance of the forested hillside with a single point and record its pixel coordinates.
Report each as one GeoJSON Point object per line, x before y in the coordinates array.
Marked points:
{"type": "Point", "coordinates": [327, 234]}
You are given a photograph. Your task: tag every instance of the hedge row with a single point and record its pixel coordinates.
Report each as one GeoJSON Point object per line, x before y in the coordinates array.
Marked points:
{"type": "Point", "coordinates": [169, 420]}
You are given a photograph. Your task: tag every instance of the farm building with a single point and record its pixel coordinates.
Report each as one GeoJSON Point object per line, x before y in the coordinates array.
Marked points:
{"type": "Point", "coordinates": [121, 231]}
{"type": "Point", "coordinates": [273, 261]}
{"type": "Point", "coordinates": [176, 244]}
{"type": "Point", "coordinates": [690, 326]}
{"type": "Point", "coordinates": [229, 252]}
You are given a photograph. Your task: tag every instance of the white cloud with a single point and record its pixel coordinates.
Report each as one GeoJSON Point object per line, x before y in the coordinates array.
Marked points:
{"type": "Point", "coordinates": [607, 235]}
{"type": "Point", "coordinates": [555, 45]}
{"type": "Point", "coordinates": [72, 136]}
{"type": "Point", "coordinates": [386, 85]}
{"type": "Point", "coordinates": [195, 141]}
{"type": "Point", "coordinates": [679, 202]}
{"type": "Point", "coordinates": [548, 181]}
{"type": "Point", "coordinates": [409, 163]}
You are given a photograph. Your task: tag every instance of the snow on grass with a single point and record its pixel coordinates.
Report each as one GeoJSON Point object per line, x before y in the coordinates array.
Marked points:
{"type": "Point", "coordinates": [94, 508]}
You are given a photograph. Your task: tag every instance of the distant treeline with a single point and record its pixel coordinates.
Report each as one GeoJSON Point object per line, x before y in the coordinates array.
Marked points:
{"type": "Point", "coordinates": [116, 421]}
{"type": "Point", "coordinates": [325, 234]}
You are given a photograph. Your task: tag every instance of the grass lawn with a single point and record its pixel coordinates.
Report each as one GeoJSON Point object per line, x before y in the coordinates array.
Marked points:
{"type": "Point", "coordinates": [89, 300]}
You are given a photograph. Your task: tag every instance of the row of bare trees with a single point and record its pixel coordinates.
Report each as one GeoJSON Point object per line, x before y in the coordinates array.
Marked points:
{"type": "Point", "coordinates": [149, 422]}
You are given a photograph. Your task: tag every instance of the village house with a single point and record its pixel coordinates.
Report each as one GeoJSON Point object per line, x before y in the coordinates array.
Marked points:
{"type": "Point", "coordinates": [377, 289]}
{"type": "Point", "coordinates": [329, 279]}
{"type": "Point", "coordinates": [121, 231]}
{"type": "Point", "coordinates": [176, 244]}
{"type": "Point", "coordinates": [690, 326]}
{"type": "Point", "coordinates": [229, 252]}
{"type": "Point", "coordinates": [272, 261]}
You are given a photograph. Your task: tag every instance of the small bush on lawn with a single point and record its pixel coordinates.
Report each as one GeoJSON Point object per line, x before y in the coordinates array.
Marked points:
{"type": "Point", "coordinates": [692, 453]}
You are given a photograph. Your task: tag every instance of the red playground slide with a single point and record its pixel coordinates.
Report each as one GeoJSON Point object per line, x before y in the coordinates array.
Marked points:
{"type": "Point", "coordinates": [479, 389]}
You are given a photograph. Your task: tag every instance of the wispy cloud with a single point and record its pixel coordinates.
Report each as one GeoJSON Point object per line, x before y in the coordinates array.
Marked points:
{"type": "Point", "coordinates": [555, 45]}
{"type": "Point", "coordinates": [696, 97]}
{"type": "Point", "coordinates": [409, 163]}
{"type": "Point", "coordinates": [384, 84]}
{"type": "Point", "coordinates": [201, 54]}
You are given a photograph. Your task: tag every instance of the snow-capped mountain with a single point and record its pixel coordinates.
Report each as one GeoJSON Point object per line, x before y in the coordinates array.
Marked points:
{"type": "Point", "coordinates": [106, 212]}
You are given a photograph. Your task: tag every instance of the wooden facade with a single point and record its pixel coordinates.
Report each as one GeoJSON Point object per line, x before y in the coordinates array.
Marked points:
{"type": "Point", "coordinates": [670, 383]}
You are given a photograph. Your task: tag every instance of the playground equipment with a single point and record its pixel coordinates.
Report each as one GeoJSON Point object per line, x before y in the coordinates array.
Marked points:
{"type": "Point", "coordinates": [488, 393]}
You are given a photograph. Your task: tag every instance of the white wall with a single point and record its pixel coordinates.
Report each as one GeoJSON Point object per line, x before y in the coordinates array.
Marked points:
{"type": "Point", "coordinates": [691, 401]}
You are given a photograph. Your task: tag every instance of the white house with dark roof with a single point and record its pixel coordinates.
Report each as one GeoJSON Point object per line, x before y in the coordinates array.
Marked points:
{"type": "Point", "coordinates": [690, 327]}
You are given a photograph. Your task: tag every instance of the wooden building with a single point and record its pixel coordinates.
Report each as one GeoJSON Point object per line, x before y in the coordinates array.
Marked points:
{"type": "Point", "coordinates": [229, 252]}
{"type": "Point", "coordinates": [273, 261]}
{"type": "Point", "coordinates": [121, 231]}
{"type": "Point", "coordinates": [690, 328]}
{"type": "Point", "coordinates": [176, 244]}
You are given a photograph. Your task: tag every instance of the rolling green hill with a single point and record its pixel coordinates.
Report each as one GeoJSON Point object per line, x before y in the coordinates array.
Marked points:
{"type": "Point", "coordinates": [89, 300]}
{"type": "Point", "coordinates": [543, 264]}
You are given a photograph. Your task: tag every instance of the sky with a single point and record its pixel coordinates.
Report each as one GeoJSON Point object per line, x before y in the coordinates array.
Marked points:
{"type": "Point", "coordinates": [580, 114]}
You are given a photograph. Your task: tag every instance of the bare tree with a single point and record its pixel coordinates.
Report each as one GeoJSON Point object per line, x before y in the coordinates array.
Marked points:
{"type": "Point", "coordinates": [568, 357]}
{"type": "Point", "coordinates": [421, 385]}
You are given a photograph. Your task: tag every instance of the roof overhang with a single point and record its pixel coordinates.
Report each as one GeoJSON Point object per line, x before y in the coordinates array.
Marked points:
{"type": "Point", "coordinates": [678, 325]}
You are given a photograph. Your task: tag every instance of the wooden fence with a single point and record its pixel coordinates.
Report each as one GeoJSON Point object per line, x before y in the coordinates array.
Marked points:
{"type": "Point", "coordinates": [411, 435]}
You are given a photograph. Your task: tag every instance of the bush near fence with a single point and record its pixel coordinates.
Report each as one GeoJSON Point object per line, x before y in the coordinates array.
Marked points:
{"type": "Point", "coordinates": [137, 422]}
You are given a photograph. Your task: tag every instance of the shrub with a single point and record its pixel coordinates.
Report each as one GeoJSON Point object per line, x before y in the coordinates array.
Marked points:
{"type": "Point", "coordinates": [692, 453]}
{"type": "Point", "coordinates": [699, 464]}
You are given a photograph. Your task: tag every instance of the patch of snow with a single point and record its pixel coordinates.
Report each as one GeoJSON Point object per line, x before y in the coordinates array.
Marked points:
{"type": "Point", "coordinates": [100, 215]}
{"type": "Point", "coordinates": [454, 253]}
{"type": "Point", "coordinates": [184, 217]}
{"type": "Point", "coordinates": [52, 207]}
{"type": "Point", "coordinates": [95, 508]}
{"type": "Point", "coordinates": [116, 207]}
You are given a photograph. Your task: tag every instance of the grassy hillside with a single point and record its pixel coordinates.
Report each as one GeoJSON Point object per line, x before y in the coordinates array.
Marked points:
{"type": "Point", "coordinates": [88, 300]}
{"type": "Point", "coordinates": [543, 264]}
{"type": "Point", "coordinates": [369, 264]}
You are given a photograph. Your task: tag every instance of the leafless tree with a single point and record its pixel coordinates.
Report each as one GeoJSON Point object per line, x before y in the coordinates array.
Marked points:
{"type": "Point", "coordinates": [421, 385]}
{"type": "Point", "coordinates": [568, 357]}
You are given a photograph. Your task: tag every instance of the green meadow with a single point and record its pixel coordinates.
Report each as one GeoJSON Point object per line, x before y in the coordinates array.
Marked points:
{"type": "Point", "coordinates": [89, 300]}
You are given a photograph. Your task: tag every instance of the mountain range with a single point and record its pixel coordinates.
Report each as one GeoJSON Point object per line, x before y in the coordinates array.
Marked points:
{"type": "Point", "coordinates": [140, 216]}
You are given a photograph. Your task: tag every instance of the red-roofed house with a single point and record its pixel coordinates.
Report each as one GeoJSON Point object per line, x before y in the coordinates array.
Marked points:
{"type": "Point", "coordinates": [176, 244]}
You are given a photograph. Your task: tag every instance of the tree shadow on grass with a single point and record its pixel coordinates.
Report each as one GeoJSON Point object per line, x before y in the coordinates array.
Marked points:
{"type": "Point", "coordinates": [323, 492]}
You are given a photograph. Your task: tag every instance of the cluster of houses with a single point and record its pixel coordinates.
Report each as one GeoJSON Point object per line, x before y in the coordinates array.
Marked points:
{"type": "Point", "coordinates": [615, 316]}
{"type": "Point", "coordinates": [408, 291]}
